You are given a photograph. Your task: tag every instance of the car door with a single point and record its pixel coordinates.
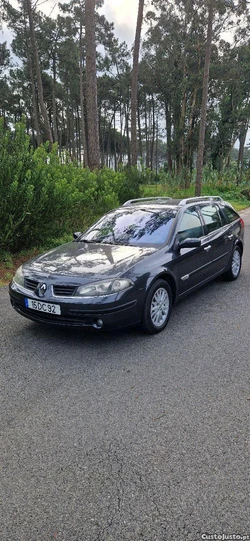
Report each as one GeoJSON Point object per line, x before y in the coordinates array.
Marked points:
{"type": "Point", "coordinates": [219, 240]}
{"type": "Point", "coordinates": [191, 264]}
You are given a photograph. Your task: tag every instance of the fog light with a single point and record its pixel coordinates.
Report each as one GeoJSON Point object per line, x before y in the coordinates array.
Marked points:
{"type": "Point", "coordinates": [99, 323]}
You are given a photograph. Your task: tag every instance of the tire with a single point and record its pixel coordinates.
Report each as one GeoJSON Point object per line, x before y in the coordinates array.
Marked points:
{"type": "Point", "coordinates": [235, 265]}
{"type": "Point", "coordinates": [157, 308]}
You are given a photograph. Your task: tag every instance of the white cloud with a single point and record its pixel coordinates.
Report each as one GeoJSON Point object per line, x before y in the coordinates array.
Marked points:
{"type": "Point", "coordinates": [123, 13]}
{"type": "Point", "coordinates": [5, 35]}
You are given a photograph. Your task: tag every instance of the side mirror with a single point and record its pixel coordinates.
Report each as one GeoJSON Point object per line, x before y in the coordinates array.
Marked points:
{"type": "Point", "coordinates": [189, 243]}
{"type": "Point", "coordinates": [77, 235]}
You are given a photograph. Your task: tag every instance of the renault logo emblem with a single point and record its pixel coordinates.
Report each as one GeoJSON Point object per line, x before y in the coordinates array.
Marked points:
{"type": "Point", "coordinates": [42, 288]}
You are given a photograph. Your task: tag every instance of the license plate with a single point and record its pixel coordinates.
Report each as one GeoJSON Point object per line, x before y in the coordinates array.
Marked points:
{"type": "Point", "coordinates": [46, 307]}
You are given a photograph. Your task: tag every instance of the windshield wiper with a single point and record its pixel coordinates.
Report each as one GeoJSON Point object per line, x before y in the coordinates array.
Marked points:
{"type": "Point", "coordinates": [91, 241]}
{"type": "Point", "coordinates": [122, 242]}
{"type": "Point", "coordinates": [97, 241]}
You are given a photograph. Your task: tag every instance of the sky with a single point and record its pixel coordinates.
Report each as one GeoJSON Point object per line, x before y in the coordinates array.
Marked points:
{"type": "Point", "coordinates": [124, 15]}
{"type": "Point", "coordinates": [122, 12]}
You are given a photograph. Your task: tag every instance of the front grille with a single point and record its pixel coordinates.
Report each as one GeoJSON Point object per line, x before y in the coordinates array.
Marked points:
{"type": "Point", "coordinates": [64, 291]}
{"type": "Point", "coordinates": [30, 284]}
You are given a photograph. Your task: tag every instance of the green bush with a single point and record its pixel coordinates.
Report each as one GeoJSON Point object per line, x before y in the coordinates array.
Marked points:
{"type": "Point", "coordinates": [43, 198]}
{"type": "Point", "coordinates": [128, 184]}
{"type": "Point", "coordinates": [38, 195]}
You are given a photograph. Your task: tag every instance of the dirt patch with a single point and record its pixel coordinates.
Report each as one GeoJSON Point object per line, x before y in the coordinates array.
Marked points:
{"type": "Point", "coordinates": [8, 267]}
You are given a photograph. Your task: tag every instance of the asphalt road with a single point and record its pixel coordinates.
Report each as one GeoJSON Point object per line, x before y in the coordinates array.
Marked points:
{"type": "Point", "coordinates": [122, 436]}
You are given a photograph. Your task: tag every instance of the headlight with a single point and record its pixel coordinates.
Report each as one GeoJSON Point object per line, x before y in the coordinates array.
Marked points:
{"type": "Point", "coordinates": [19, 278]}
{"type": "Point", "coordinates": [107, 287]}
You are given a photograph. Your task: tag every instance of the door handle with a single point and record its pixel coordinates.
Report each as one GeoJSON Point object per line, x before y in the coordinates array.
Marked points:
{"type": "Point", "coordinates": [207, 248]}
{"type": "Point", "coordinates": [230, 237]}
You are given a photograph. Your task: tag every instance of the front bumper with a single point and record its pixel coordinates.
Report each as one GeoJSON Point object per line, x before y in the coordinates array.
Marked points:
{"type": "Point", "coordinates": [120, 310]}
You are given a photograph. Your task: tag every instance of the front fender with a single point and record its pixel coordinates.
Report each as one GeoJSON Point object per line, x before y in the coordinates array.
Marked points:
{"type": "Point", "coordinates": [160, 273]}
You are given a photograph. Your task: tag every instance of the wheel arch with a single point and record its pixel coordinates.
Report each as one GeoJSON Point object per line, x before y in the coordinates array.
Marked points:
{"type": "Point", "coordinates": [170, 280]}
{"type": "Point", "coordinates": [239, 244]}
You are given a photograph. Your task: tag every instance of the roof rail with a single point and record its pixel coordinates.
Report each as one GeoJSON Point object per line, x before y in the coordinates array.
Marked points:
{"type": "Point", "coordinates": [200, 198]}
{"type": "Point", "coordinates": [153, 199]}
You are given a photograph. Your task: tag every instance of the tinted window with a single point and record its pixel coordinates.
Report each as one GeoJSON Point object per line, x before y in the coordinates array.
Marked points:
{"type": "Point", "coordinates": [132, 226]}
{"type": "Point", "coordinates": [230, 214]}
{"type": "Point", "coordinates": [211, 217]}
{"type": "Point", "coordinates": [190, 226]}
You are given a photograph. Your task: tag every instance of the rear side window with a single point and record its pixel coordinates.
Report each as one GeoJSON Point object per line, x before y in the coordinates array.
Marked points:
{"type": "Point", "coordinates": [211, 217]}
{"type": "Point", "coordinates": [230, 213]}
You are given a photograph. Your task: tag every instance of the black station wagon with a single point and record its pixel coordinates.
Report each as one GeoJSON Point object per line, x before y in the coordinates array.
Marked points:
{"type": "Point", "coordinates": [132, 265]}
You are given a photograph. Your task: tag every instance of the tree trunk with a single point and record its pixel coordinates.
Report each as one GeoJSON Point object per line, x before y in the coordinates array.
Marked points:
{"type": "Point", "coordinates": [94, 157]}
{"type": "Point", "coordinates": [35, 112]}
{"type": "Point", "coordinates": [122, 132]}
{"type": "Point", "coordinates": [78, 131]}
{"type": "Point", "coordinates": [115, 154]}
{"type": "Point", "coordinates": [83, 126]}
{"type": "Point", "coordinates": [146, 135]}
{"type": "Point", "coordinates": [201, 146]}
{"type": "Point", "coordinates": [139, 131]}
{"type": "Point", "coordinates": [189, 149]}
{"type": "Point", "coordinates": [168, 130]}
{"type": "Point", "coordinates": [242, 140]}
{"type": "Point", "coordinates": [127, 133]}
{"type": "Point", "coordinates": [35, 108]}
{"type": "Point", "coordinates": [68, 123]}
{"type": "Point", "coordinates": [157, 144]}
{"type": "Point", "coordinates": [134, 88]}
{"type": "Point", "coordinates": [153, 134]}
{"type": "Point", "coordinates": [182, 120]}
{"type": "Point", "coordinates": [38, 74]}
{"type": "Point", "coordinates": [54, 101]}
{"type": "Point", "coordinates": [73, 131]}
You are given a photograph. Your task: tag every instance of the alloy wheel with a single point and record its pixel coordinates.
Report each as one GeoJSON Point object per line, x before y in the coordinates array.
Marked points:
{"type": "Point", "coordinates": [159, 309]}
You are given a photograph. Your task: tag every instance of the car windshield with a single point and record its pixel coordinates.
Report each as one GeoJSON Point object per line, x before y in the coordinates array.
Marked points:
{"type": "Point", "coordinates": [136, 227]}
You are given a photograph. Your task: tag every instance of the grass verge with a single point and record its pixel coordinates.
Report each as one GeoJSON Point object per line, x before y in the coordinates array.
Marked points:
{"type": "Point", "coordinates": [10, 262]}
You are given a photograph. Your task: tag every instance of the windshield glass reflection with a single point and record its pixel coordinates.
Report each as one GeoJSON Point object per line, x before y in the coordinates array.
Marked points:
{"type": "Point", "coordinates": [134, 227]}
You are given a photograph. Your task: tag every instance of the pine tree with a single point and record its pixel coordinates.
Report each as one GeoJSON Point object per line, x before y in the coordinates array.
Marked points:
{"type": "Point", "coordinates": [134, 88]}
{"type": "Point", "coordinates": [94, 157]}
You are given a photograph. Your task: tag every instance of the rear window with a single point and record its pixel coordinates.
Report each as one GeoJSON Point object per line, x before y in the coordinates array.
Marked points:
{"type": "Point", "coordinates": [136, 227]}
{"type": "Point", "coordinates": [230, 214]}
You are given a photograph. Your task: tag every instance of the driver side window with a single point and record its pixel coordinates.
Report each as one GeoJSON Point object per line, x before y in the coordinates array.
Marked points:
{"type": "Point", "coordinates": [190, 226]}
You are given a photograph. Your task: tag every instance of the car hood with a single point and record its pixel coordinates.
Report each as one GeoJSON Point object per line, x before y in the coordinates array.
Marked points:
{"type": "Point", "coordinates": [82, 260]}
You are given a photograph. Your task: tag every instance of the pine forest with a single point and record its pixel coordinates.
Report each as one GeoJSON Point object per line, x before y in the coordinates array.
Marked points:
{"type": "Point", "coordinates": [87, 120]}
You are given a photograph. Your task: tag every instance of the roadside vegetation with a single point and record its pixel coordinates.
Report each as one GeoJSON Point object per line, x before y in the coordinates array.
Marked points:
{"type": "Point", "coordinates": [45, 196]}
